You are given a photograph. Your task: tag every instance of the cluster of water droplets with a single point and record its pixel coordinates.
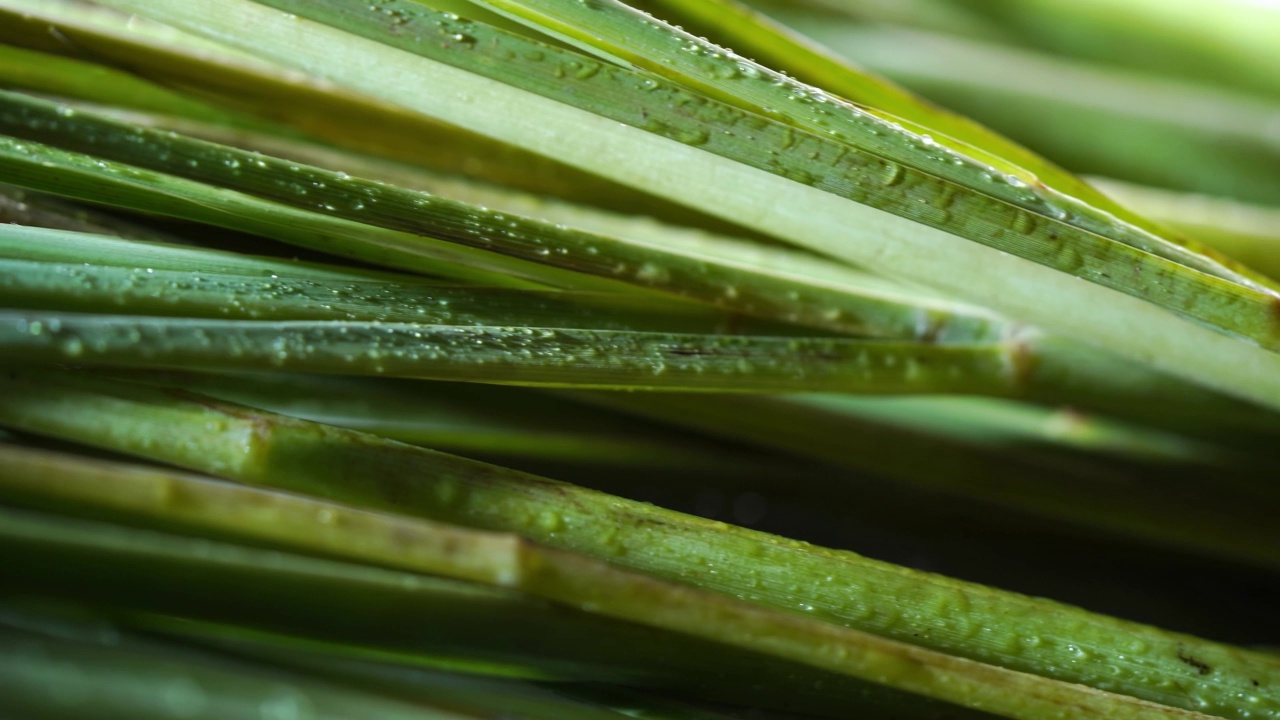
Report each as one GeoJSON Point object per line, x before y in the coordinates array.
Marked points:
{"type": "Point", "coordinates": [395, 14]}
{"type": "Point", "coordinates": [841, 120]}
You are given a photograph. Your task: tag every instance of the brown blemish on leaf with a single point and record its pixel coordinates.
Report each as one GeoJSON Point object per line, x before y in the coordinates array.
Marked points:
{"type": "Point", "coordinates": [1022, 365]}
{"type": "Point", "coordinates": [231, 410]}
{"type": "Point", "coordinates": [1273, 312]}
{"type": "Point", "coordinates": [1201, 666]}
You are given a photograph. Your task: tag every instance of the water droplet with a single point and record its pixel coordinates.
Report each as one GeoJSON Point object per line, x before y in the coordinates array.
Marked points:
{"type": "Point", "coordinates": [586, 70]}
{"type": "Point", "coordinates": [691, 136]}
{"type": "Point", "coordinates": [285, 704]}
{"type": "Point", "coordinates": [183, 697]}
{"type": "Point", "coordinates": [653, 274]}
{"type": "Point", "coordinates": [550, 521]}
{"type": "Point", "coordinates": [1024, 222]}
{"type": "Point", "coordinates": [726, 71]}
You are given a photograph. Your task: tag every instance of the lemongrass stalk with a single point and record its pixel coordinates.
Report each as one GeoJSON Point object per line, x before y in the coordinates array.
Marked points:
{"type": "Point", "coordinates": [756, 252]}
{"type": "Point", "coordinates": [77, 177]}
{"type": "Point", "coordinates": [113, 23]}
{"type": "Point", "coordinates": [733, 24]}
{"type": "Point", "coordinates": [996, 423]}
{"type": "Point", "coordinates": [420, 413]}
{"type": "Point", "coordinates": [208, 633]}
{"type": "Point", "coordinates": [784, 50]}
{"type": "Point", "coordinates": [210, 506]}
{"type": "Point", "coordinates": [1062, 373]}
{"type": "Point", "coordinates": [712, 69]}
{"type": "Point", "coordinates": [778, 47]}
{"type": "Point", "coordinates": [1146, 129]}
{"type": "Point", "coordinates": [573, 579]}
{"type": "Point", "coordinates": [811, 217]}
{"type": "Point", "coordinates": [475, 419]}
{"type": "Point", "coordinates": [51, 245]}
{"type": "Point", "coordinates": [20, 207]}
{"type": "Point", "coordinates": [1104, 388]}
{"type": "Point", "coordinates": [655, 271]}
{"type": "Point", "coordinates": [498, 697]}
{"type": "Point", "coordinates": [199, 293]}
{"type": "Point", "coordinates": [400, 12]}
{"type": "Point", "coordinates": [1010, 455]}
{"type": "Point", "coordinates": [315, 109]}
{"type": "Point", "coordinates": [697, 272]}
{"type": "Point", "coordinates": [757, 36]}
{"type": "Point", "coordinates": [614, 29]}
{"type": "Point", "coordinates": [1249, 232]}
{"type": "Point", "coordinates": [406, 617]}
{"type": "Point", "coordinates": [66, 77]}
{"type": "Point", "coordinates": [1034, 368]}
{"type": "Point", "coordinates": [748, 287]}
{"type": "Point", "coordinates": [933, 14]}
{"type": "Point", "coordinates": [86, 247]}
{"type": "Point", "coordinates": [583, 358]}
{"type": "Point", "coordinates": [251, 639]}
{"type": "Point", "coordinates": [1164, 502]}
{"type": "Point", "coordinates": [1230, 47]}
{"type": "Point", "coordinates": [226, 78]}
{"type": "Point", "coordinates": [135, 573]}
{"type": "Point", "coordinates": [44, 17]}
{"type": "Point", "coordinates": [46, 677]}
{"type": "Point", "coordinates": [587, 212]}
{"type": "Point", "coordinates": [1033, 438]}
{"type": "Point", "coordinates": [842, 589]}
{"type": "Point", "coordinates": [413, 618]}
{"type": "Point", "coordinates": [484, 696]}
{"type": "Point", "coordinates": [299, 687]}
{"type": "Point", "coordinates": [398, 672]}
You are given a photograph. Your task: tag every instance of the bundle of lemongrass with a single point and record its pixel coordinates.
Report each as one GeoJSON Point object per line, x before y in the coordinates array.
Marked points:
{"type": "Point", "coordinates": [273, 271]}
